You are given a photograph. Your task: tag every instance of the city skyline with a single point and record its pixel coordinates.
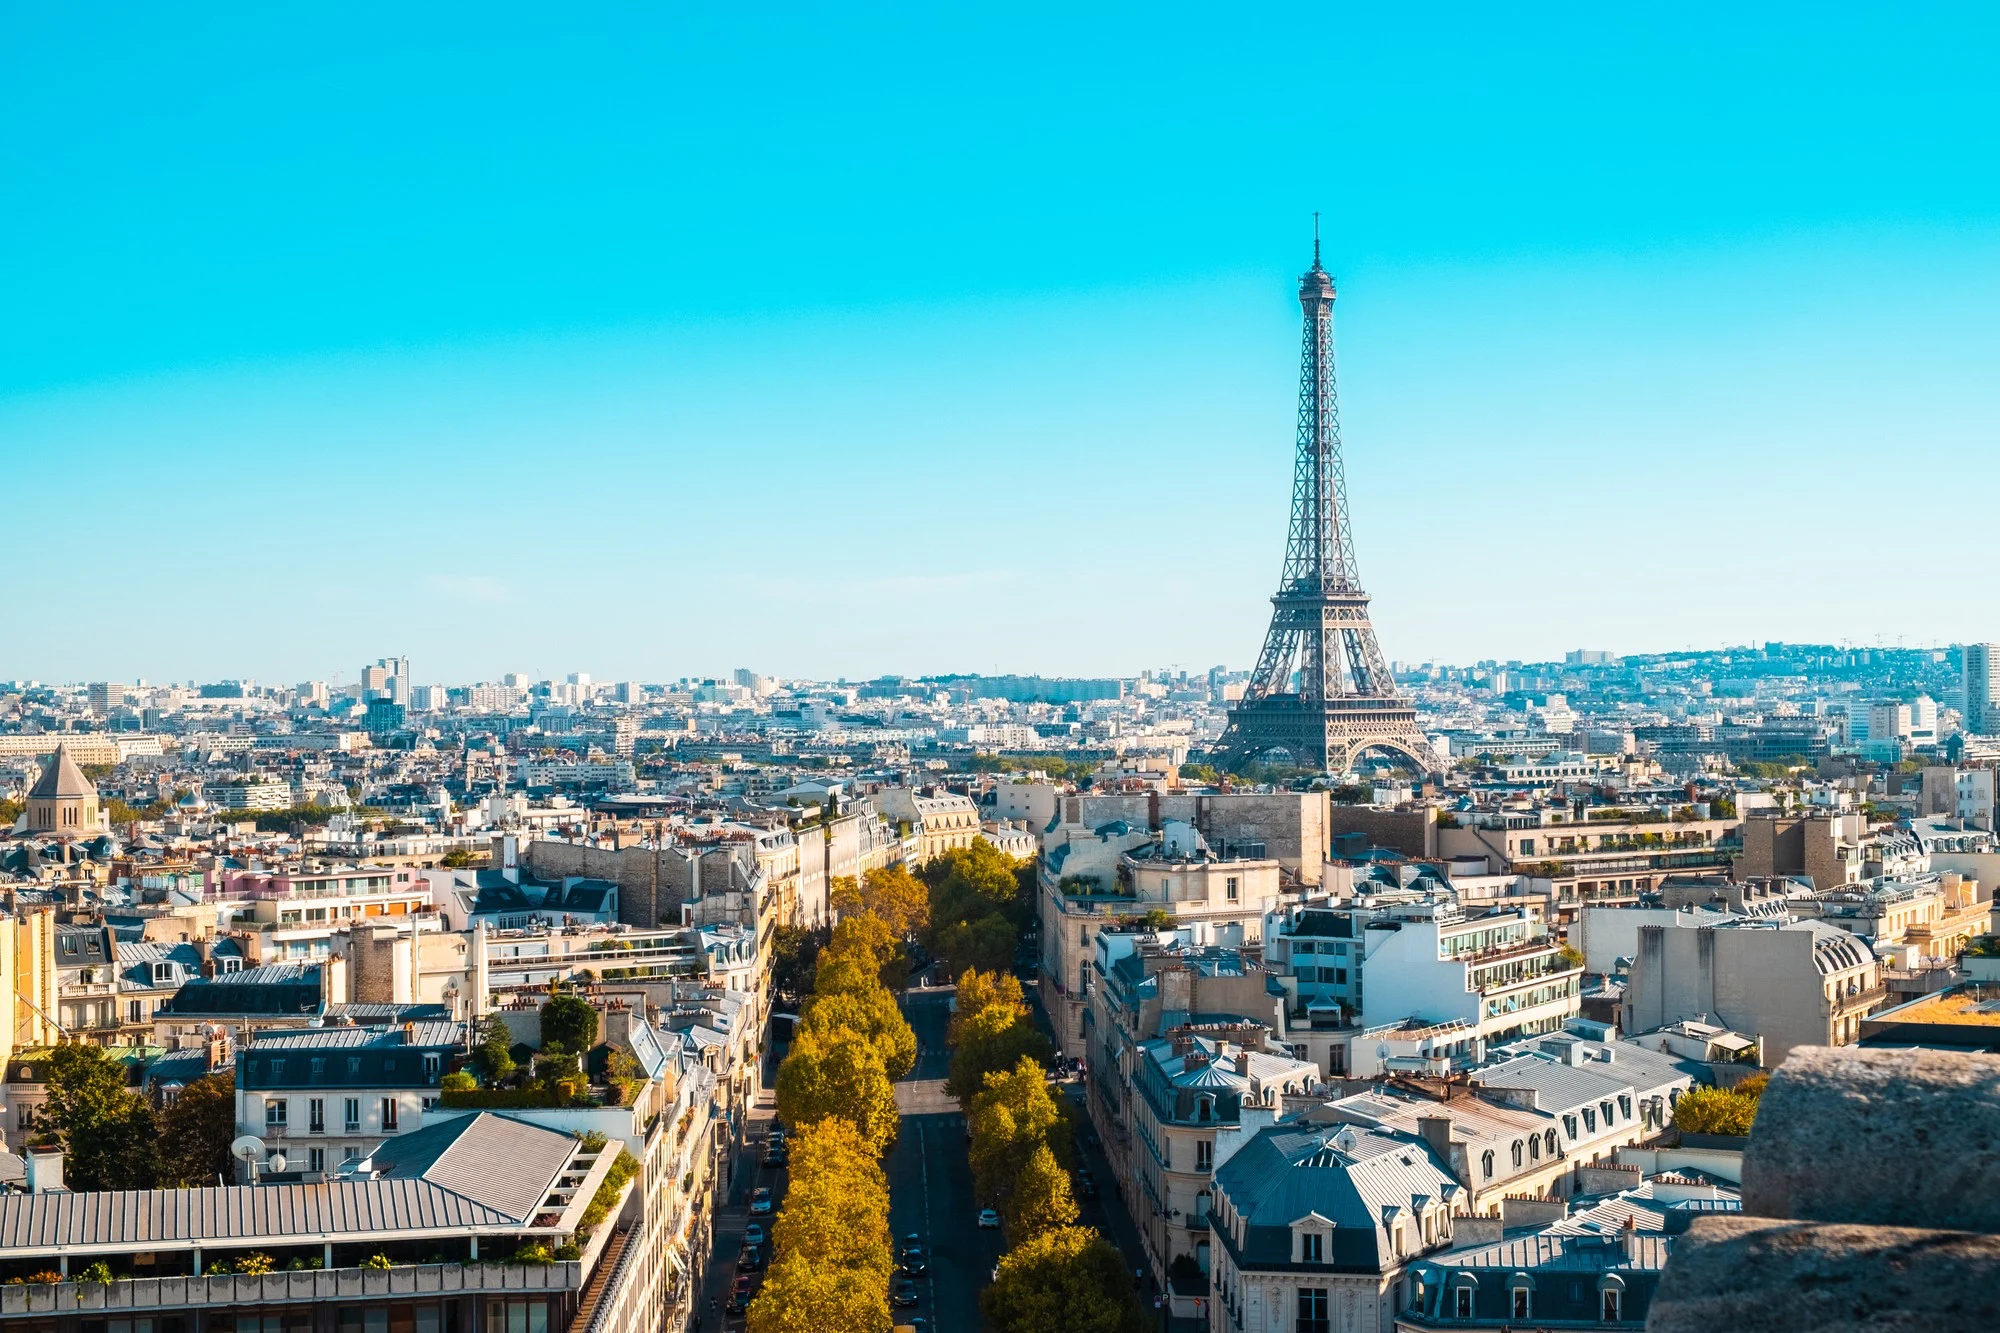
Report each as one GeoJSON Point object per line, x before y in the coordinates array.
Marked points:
{"type": "Point", "coordinates": [398, 356]}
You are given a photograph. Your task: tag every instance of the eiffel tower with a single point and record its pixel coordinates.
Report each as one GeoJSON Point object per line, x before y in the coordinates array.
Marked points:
{"type": "Point", "coordinates": [1322, 690]}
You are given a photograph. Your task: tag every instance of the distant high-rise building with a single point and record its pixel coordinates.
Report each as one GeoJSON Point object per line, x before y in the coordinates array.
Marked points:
{"type": "Point", "coordinates": [388, 678]}
{"type": "Point", "coordinates": [426, 698]}
{"type": "Point", "coordinates": [1982, 688]}
{"type": "Point", "coordinates": [105, 696]}
{"type": "Point", "coordinates": [580, 678]}
{"type": "Point", "coordinates": [312, 694]}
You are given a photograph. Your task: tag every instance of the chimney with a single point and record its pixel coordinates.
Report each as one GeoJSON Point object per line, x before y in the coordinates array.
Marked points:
{"type": "Point", "coordinates": [45, 1171]}
{"type": "Point", "coordinates": [1629, 1235]}
{"type": "Point", "coordinates": [1243, 1063]}
{"type": "Point", "coordinates": [215, 1048]}
{"type": "Point", "coordinates": [1436, 1131]}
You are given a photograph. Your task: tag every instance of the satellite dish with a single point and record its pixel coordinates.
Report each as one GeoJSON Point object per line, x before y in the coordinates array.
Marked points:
{"type": "Point", "coordinates": [1382, 1051]}
{"type": "Point", "coordinates": [277, 1162]}
{"type": "Point", "coordinates": [247, 1148]}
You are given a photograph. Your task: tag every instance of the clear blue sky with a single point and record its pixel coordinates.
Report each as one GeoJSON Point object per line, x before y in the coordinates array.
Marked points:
{"type": "Point", "coordinates": [663, 339]}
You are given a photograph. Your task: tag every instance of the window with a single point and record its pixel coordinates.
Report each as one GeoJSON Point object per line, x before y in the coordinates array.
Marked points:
{"type": "Point", "coordinates": [1306, 973]}
{"type": "Point", "coordinates": [1609, 1120]}
{"type": "Point", "coordinates": [1204, 1156]}
{"type": "Point", "coordinates": [318, 1065]}
{"type": "Point", "coordinates": [1550, 1139]}
{"type": "Point", "coordinates": [1625, 1105]}
{"type": "Point", "coordinates": [1204, 1109]}
{"type": "Point", "coordinates": [1313, 1305]}
{"type": "Point", "coordinates": [163, 974]}
{"type": "Point", "coordinates": [516, 1317]}
{"type": "Point", "coordinates": [228, 965]}
{"type": "Point", "coordinates": [433, 1066]}
{"type": "Point", "coordinates": [69, 945]}
{"type": "Point", "coordinates": [1229, 890]}
{"type": "Point", "coordinates": [1611, 1315]}
{"type": "Point", "coordinates": [388, 1113]}
{"type": "Point", "coordinates": [353, 1066]}
{"type": "Point", "coordinates": [1569, 1127]}
{"type": "Point", "coordinates": [316, 1160]}
{"type": "Point", "coordinates": [1589, 1120]}
{"type": "Point", "coordinates": [277, 1069]}
{"type": "Point", "coordinates": [135, 1011]}
{"type": "Point", "coordinates": [352, 1153]}
{"type": "Point", "coordinates": [1312, 1248]}
{"type": "Point", "coordinates": [1534, 1147]}
{"type": "Point", "coordinates": [1486, 1163]}
{"type": "Point", "coordinates": [1519, 1303]}
{"type": "Point", "coordinates": [316, 1115]}
{"type": "Point", "coordinates": [1517, 1154]}
{"type": "Point", "coordinates": [351, 1121]}
{"type": "Point", "coordinates": [1462, 1303]}
{"type": "Point", "coordinates": [275, 1111]}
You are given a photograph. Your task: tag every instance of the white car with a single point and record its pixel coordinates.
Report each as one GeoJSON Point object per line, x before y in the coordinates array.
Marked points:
{"type": "Point", "coordinates": [988, 1220]}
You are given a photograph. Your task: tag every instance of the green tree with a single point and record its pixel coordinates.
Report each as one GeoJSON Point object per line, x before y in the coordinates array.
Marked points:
{"type": "Point", "coordinates": [1069, 1280]}
{"type": "Point", "coordinates": [569, 1023]}
{"type": "Point", "coordinates": [196, 1131]}
{"type": "Point", "coordinates": [493, 1058]}
{"type": "Point", "coordinates": [996, 1038]}
{"type": "Point", "coordinates": [838, 1073]}
{"type": "Point", "coordinates": [795, 957]}
{"type": "Point", "coordinates": [1040, 1200]}
{"type": "Point", "coordinates": [875, 1015]}
{"type": "Point", "coordinates": [106, 1130]}
{"type": "Point", "coordinates": [984, 941]}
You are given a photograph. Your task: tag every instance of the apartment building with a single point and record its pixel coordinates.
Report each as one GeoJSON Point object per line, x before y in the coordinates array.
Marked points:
{"type": "Point", "coordinates": [1500, 974]}
{"type": "Point", "coordinates": [940, 821]}
{"type": "Point", "coordinates": [1792, 983]}
{"type": "Point", "coordinates": [323, 1097]}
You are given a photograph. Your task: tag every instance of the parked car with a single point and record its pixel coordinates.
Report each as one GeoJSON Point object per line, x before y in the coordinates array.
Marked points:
{"type": "Point", "coordinates": [760, 1199]}
{"type": "Point", "coordinates": [910, 1258]}
{"type": "Point", "coordinates": [753, 1234]}
{"type": "Point", "coordinates": [903, 1292]}
{"type": "Point", "coordinates": [751, 1260]}
{"type": "Point", "coordinates": [777, 1157]}
{"type": "Point", "coordinates": [739, 1296]}
{"type": "Point", "coordinates": [988, 1220]}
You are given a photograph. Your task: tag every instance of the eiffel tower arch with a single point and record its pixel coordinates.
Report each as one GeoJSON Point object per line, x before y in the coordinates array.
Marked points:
{"type": "Point", "coordinates": [1322, 690]}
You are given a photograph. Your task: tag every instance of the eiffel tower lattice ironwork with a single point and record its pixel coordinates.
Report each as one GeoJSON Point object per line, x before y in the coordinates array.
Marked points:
{"type": "Point", "coordinates": [1322, 690]}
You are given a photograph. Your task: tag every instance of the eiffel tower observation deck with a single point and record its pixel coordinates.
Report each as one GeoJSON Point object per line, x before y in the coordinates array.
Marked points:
{"type": "Point", "coordinates": [1322, 693]}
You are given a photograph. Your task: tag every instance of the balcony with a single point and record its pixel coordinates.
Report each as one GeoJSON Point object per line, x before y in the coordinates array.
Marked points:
{"type": "Point", "coordinates": [314, 1286]}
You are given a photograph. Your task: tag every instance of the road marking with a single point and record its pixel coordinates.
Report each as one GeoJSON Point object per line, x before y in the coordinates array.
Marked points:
{"type": "Point", "coordinates": [924, 1176]}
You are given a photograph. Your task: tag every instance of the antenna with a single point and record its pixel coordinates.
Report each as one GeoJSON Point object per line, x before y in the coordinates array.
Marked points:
{"type": "Point", "coordinates": [1315, 238]}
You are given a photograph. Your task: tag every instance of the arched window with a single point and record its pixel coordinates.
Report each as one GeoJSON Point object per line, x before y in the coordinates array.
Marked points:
{"type": "Point", "coordinates": [1550, 1139]}
{"type": "Point", "coordinates": [1517, 1153]}
{"type": "Point", "coordinates": [1534, 1147]}
{"type": "Point", "coordinates": [1463, 1286]}
{"type": "Point", "coordinates": [1610, 1297]}
{"type": "Point", "coordinates": [1204, 1109]}
{"type": "Point", "coordinates": [1486, 1163]}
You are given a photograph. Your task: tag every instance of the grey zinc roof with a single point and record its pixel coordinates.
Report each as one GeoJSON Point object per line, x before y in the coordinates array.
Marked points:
{"type": "Point", "coordinates": [495, 1161]}
{"type": "Point", "coordinates": [1290, 1170]}
{"type": "Point", "coordinates": [116, 1220]}
{"type": "Point", "coordinates": [354, 1038]}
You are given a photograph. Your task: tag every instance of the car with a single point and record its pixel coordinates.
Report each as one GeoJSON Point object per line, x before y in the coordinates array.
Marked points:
{"type": "Point", "coordinates": [910, 1255]}
{"type": "Point", "coordinates": [751, 1260]}
{"type": "Point", "coordinates": [760, 1199]}
{"type": "Point", "coordinates": [903, 1292]}
{"type": "Point", "coordinates": [753, 1234]}
{"type": "Point", "coordinates": [1086, 1188]}
{"type": "Point", "coordinates": [739, 1296]}
{"type": "Point", "coordinates": [989, 1220]}
{"type": "Point", "coordinates": [777, 1159]}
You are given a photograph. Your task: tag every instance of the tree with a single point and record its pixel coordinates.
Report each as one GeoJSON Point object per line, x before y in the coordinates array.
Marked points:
{"type": "Point", "coordinates": [977, 877]}
{"type": "Point", "coordinates": [1069, 1280]}
{"type": "Point", "coordinates": [569, 1024]}
{"type": "Point", "coordinates": [799, 1296]}
{"type": "Point", "coordinates": [493, 1058]}
{"type": "Point", "coordinates": [876, 1016]}
{"type": "Point", "coordinates": [994, 1039]}
{"type": "Point", "coordinates": [1010, 1117]}
{"type": "Point", "coordinates": [899, 899]}
{"type": "Point", "coordinates": [794, 958]}
{"type": "Point", "coordinates": [838, 1073]}
{"type": "Point", "coordinates": [196, 1131]}
{"type": "Point", "coordinates": [837, 1207]}
{"type": "Point", "coordinates": [985, 941]}
{"type": "Point", "coordinates": [1041, 1199]}
{"type": "Point", "coordinates": [1725, 1111]}
{"type": "Point", "coordinates": [106, 1130]}
{"type": "Point", "coordinates": [977, 990]}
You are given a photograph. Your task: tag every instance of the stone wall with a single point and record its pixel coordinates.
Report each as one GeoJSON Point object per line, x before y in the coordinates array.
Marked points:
{"type": "Point", "coordinates": [1871, 1198]}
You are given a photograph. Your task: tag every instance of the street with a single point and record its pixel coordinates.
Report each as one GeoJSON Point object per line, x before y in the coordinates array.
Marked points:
{"type": "Point", "coordinates": [930, 1182]}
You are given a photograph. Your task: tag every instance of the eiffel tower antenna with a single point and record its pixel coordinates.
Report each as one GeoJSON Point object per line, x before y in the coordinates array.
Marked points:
{"type": "Point", "coordinates": [1322, 691]}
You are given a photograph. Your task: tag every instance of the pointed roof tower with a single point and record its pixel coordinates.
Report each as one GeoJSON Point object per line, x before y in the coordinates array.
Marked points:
{"type": "Point", "coordinates": [63, 801]}
{"type": "Point", "coordinates": [62, 780]}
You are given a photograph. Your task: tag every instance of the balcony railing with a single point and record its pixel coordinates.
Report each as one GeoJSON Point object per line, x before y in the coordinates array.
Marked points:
{"type": "Point", "coordinates": [309, 1287]}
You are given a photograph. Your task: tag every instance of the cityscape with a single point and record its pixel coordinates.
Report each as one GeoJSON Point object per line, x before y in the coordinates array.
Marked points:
{"type": "Point", "coordinates": [1341, 985]}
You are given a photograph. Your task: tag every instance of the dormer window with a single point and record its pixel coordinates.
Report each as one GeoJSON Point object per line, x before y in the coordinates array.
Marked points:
{"type": "Point", "coordinates": [1486, 1163]}
{"type": "Point", "coordinates": [1569, 1127]}
{"type": "Point", "coordinates": [1517, 1154]}
{"type": "Point", "coordinates": [1550, 1139]}
{"type": "Point", "coordinates": [229, 965]}
{"type": "Point", "coordinates": [1204, 1109]}
{"type": "Point", "coordinates": [163, 974]}
{"type": "Point", "coordinates": [1609, 1119]}
{"type": "Point", "coordinates": [1312, 1248]}
{"type": "Point", "coordinates": [1589, 1120]}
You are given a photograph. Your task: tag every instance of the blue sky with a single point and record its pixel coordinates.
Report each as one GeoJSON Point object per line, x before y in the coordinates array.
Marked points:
{"type": "Point", "coordinates": [661, 340]}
